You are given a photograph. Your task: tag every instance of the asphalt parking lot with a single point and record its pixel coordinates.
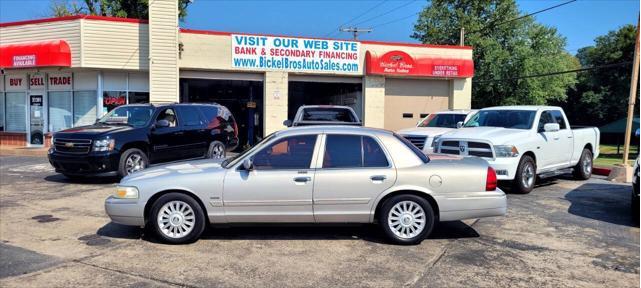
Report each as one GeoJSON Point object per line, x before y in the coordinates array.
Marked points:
{"type": "Point", "coordinates": [566, 233]}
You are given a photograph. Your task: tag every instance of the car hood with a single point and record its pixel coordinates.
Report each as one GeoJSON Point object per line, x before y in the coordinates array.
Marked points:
{"type": "Point", "coordinates": [494, 135]}
{"type": "Point", "coordinates": [425, 131]}
{"type": "Point", "coordinates": [95, 129]}
{"type": "Point", "coordinates": [171, 170]}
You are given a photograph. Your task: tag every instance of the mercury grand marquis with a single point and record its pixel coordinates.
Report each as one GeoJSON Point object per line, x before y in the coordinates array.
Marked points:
{"type": "Point", "coordinates": [315, 174]}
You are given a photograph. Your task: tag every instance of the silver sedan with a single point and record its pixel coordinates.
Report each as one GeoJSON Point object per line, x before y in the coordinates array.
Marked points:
{"type": "Point", "coordinates": [319, 174]}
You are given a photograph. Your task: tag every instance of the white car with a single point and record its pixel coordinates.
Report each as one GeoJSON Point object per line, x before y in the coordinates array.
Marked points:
{"type": "Point", "coordinates": [433, 125]}
{"type": "Point", "coordinates": [523, 142]}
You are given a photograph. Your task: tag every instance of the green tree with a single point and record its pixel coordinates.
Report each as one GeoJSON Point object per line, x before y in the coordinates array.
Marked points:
{"type": "Point", "coordinates": [116, 8]}
{"type": "Point", "coordinates": [504, 50]}
{"type": "Point", "coordinates": [601, 95]}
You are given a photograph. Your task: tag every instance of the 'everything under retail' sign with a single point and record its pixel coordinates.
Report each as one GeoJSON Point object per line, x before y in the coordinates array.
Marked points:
{"type": "Point", "coordinates": [294, 54]}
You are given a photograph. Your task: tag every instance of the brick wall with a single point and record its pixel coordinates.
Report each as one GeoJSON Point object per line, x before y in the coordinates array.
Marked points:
{"type": "Point", "coordinates": [19, 139]}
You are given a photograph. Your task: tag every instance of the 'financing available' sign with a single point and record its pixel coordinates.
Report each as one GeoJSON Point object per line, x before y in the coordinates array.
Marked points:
{"type": "Point", "coordinates": [294, 54]}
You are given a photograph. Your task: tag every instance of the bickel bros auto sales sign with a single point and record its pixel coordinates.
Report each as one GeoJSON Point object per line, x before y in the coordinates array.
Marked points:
{"type": "Point", "coordinates": [294, 54]}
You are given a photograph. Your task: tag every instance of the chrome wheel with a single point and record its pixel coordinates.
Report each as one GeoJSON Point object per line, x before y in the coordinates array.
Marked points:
{"type": "Point", "coordinates": [406, 219]}
{"type": "Point", "coordinates": [528, 175]}
{"type": "Point", "coordinates": [217, 151]}
{"type": "Point", "coordinates": [134, 163]}
{"type": "Point", "coordinates": [176, 219]}
{"type": "Point", "coordinates": [586, 164]}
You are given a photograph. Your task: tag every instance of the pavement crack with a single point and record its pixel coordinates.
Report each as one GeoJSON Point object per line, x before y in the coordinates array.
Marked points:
{"type": "Point", "coordinates": [434, 261]}
{"type": "Point", "coordinates": [171, 283]}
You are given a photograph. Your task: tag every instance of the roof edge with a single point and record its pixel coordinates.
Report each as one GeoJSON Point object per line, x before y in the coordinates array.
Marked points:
{"type": "Point", "coordinates": [73, 17]}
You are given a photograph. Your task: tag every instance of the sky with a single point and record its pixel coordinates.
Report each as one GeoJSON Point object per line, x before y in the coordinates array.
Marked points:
{"type": "Point", "coordinates": [393, 20]}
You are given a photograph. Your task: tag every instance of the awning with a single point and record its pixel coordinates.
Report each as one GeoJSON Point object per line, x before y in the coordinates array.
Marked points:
{"type": "Point", "coordinates": [399, 63]}
{"type": "Point", "coordinates": [35, 54]}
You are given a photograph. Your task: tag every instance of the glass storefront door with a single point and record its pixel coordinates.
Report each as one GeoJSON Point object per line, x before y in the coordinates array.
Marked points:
{"type": "Point", "coordinates": [36, 120]}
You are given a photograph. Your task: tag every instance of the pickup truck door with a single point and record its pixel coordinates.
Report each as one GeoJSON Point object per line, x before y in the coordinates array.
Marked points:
{"type": "Point", "coordinates": [565, 145]}
{"type": "Point", "coordinates": [554, 149]}
{"type": "Point", "coordinates": [278, 188]}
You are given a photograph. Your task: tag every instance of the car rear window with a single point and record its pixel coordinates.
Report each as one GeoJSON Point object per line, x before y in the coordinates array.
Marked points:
{"type": "Point", "coordinates": [414, 149]}
{"type": "Point", "coordinates": [328, 114]}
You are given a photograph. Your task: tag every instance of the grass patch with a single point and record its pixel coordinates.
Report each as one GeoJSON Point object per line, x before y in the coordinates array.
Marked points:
{"type": "Point", "coordinates": [608, 155]}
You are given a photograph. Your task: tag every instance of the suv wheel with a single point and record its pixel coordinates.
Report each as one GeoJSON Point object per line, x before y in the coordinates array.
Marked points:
{"type": "Point", "coordinates": [131, 161]}
{"type": "Point", "coordinates": [177, 218]}
{"type": "Point", "coordinates": [216, 150]}
{"type": "Point", "coordinates": [583, 169]}
{"type": "Point", "coordinates": [525, 177]}
{"type": "Point", "coordinates": [407, 219]}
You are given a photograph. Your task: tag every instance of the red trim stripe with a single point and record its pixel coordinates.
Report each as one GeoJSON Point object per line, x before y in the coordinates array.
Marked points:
{"type": "Point", "coordinates": [74, 17]}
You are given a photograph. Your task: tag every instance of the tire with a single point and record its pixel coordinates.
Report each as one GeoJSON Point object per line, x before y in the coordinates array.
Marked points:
{"type": "Point", "coordinates": [216, 150]}
{"type": "Point", "coordinates": [137, 156]}
{"type": "Point", "coordinates": [401, 206]}
{"type": "Point", "coordinates": [525, 177]}
{"type": "Point", "coordinates": [583, 169]}
{"type": "Point", "coordinates": [176, 211]}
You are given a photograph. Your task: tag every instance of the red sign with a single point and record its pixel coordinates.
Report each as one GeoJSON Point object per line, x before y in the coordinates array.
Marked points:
{"type": "Point", "coordinates": [401, 63]}
{"type": "Point", "coordinates": [36, 54]}
{"type": "Point", "coordinates": [114, 100]}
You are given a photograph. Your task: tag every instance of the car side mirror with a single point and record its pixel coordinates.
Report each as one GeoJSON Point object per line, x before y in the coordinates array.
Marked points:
{"type": "Point", "coordinates": [459, 124]}
{"type": "Point", "coordinates": [287, 123]}
{"type": "Point", "coordinates": [248, 165]}
{"type": "Point", "coordinates": [162, 123]}
{"type": "Point", "coordinates": [551, 127]}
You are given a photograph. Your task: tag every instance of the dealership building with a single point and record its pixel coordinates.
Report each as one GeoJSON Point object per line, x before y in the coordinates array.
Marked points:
{"type": "Point", "coordinates": [59, 73]}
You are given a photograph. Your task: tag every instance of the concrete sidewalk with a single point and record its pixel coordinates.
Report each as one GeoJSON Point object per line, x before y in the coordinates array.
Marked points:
{"type": "Point", "coordinates": [23, 151]}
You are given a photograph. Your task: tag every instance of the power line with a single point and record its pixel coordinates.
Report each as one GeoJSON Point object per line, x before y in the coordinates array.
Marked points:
{"type": "Point", "coordinates": [359, 16]}
{"type": "Point", "coordinates": [396, 20]}
{"type": "Point", "coordinates": [521, 17]}
{"type": "Point", "coordinates": [557, 72]}
{"type": "Point", "coordinates": [385, 13]}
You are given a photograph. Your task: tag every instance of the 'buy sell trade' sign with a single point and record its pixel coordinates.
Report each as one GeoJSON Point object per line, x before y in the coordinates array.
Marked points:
{"type": "Point", "coordinates": [294, 54]}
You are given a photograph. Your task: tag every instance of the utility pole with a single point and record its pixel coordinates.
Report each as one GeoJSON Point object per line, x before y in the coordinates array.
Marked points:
{"type": "Point", "coordinates": [355, 31]}
{"type": "Point", "coordinates": [632, 99]}
{"type": "Point", "coordinates": [462, 37]}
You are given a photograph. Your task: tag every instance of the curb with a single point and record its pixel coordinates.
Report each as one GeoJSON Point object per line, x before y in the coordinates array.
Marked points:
{"type": "Point", "coordinates": [601, 171]}
{"type": "Point", "coordinates": [22, 151]}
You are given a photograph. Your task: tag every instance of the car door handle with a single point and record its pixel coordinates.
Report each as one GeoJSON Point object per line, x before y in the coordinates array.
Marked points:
{"type": "Point", "coordinates": [570, 137]}
{"type": "Point", "coordinates": [378, 178]}
{"type": "Point", "coordinates": [302, 180]}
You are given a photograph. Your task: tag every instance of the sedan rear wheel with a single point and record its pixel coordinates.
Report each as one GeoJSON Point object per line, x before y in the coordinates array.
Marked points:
{"type": "Point", "coordinates": [407, 219]}
{"type": "Point", "coordinates": [177, 218]}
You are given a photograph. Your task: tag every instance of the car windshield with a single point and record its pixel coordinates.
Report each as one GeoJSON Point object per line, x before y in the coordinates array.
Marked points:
{"type": "Point", "coordinates": [442, 120]}
{"type": "Point", "coordinates": [328, 114]}
{"type": "Point", "coordinates": [231, 161]}
{"type": "Point", "coordinates": [511, 119]}
{"type": "Point", "coordinates": [135, 116]}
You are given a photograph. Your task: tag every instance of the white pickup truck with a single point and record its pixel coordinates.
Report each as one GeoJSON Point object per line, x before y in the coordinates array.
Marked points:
{"type": "Point", "coordinates": [523, 142]}
{"type": "Point", "coordinates": [432, 126]}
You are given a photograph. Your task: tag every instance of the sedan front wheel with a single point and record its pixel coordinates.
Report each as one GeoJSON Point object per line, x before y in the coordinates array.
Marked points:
{"type": "Point", "coordinates": [407, 219]}
{"type": "Point", "coordinates": [177, 218]}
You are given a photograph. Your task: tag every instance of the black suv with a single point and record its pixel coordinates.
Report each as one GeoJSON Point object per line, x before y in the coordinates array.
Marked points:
{"type": "Point", "coordinates": [131, 137]}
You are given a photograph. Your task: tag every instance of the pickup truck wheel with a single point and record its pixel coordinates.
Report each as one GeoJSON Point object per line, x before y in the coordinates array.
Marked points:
{"type": "Point", "coordinates": [131, 161]}
{"type": "Point", "coordinates": [525, 177]}
{"type": "Point", "coordinates": [216, 150]}
{"type": "Point", "coordinates": [583, 169]}
{"type": "Point", "coordinates": [407, 219]}
{"type": "Point", "coordinates": [177, 218]}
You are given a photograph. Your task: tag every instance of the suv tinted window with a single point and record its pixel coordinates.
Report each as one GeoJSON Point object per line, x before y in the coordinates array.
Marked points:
{"type": "Point", "coordinates": [191, 116]}
{"type": "Point", "coordinates": [558, 118]}
{"type": "Point", "coordinates": [353, 151]}
{"type": "Point", "coordinates": [546, 117]}
{"type": "Point", "coordinates": [170, 115]}
{"type": "Point", "coordinates": [210, 112]}
{"type": "Point", "coordinates": [294, 152]}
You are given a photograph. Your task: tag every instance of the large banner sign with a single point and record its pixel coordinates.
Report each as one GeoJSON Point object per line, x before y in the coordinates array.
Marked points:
{"type": "Point", "coordinates": [294, 54]}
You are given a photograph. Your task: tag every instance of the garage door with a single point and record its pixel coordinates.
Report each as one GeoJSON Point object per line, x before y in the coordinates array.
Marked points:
{"type": "Point", "coordinates": [406, 100]}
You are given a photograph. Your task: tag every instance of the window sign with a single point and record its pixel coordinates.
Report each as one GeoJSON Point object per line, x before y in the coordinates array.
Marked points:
{"type": "Point", "coordinates": [37, 81]}
{"type": "Point", "coordinates": [60, 81]}
{"type": "Point", "coordinates": [24, 60]}
{"type": "Point", "coordinates": [294, 54]}
{"type": "Point", "coordinates": [16, 82]}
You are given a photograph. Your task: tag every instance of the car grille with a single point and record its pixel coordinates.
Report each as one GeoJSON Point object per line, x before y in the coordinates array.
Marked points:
{"type": "Point", "coordinates": [418, 141]}
{"type": "Point", "coordinates": [464, 148]}
{"type": "Point", "coordinates": [72, 146]}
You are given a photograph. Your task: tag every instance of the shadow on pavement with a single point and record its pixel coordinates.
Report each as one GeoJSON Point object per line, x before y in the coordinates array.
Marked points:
{"type": "Point", "coordinates": [367, 232]}
{"type": "Point", "coordinates": [600, 201]}
{"type": "Point", "coordinates": [59, 178]}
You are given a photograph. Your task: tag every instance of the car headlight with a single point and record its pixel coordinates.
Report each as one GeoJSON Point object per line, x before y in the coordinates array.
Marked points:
{"type": "Point", "coordinates": [126, 192]}
{"type": "Point", "coordinates": [104, 145]}
{"type": "Point", "coordinates": [506, 151]}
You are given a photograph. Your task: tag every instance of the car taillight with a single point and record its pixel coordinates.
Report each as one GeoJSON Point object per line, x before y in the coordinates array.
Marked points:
{"type": "Point", "coordinates": [490, 181]}
{"type": "Point", "coordinates": [235, 129]}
